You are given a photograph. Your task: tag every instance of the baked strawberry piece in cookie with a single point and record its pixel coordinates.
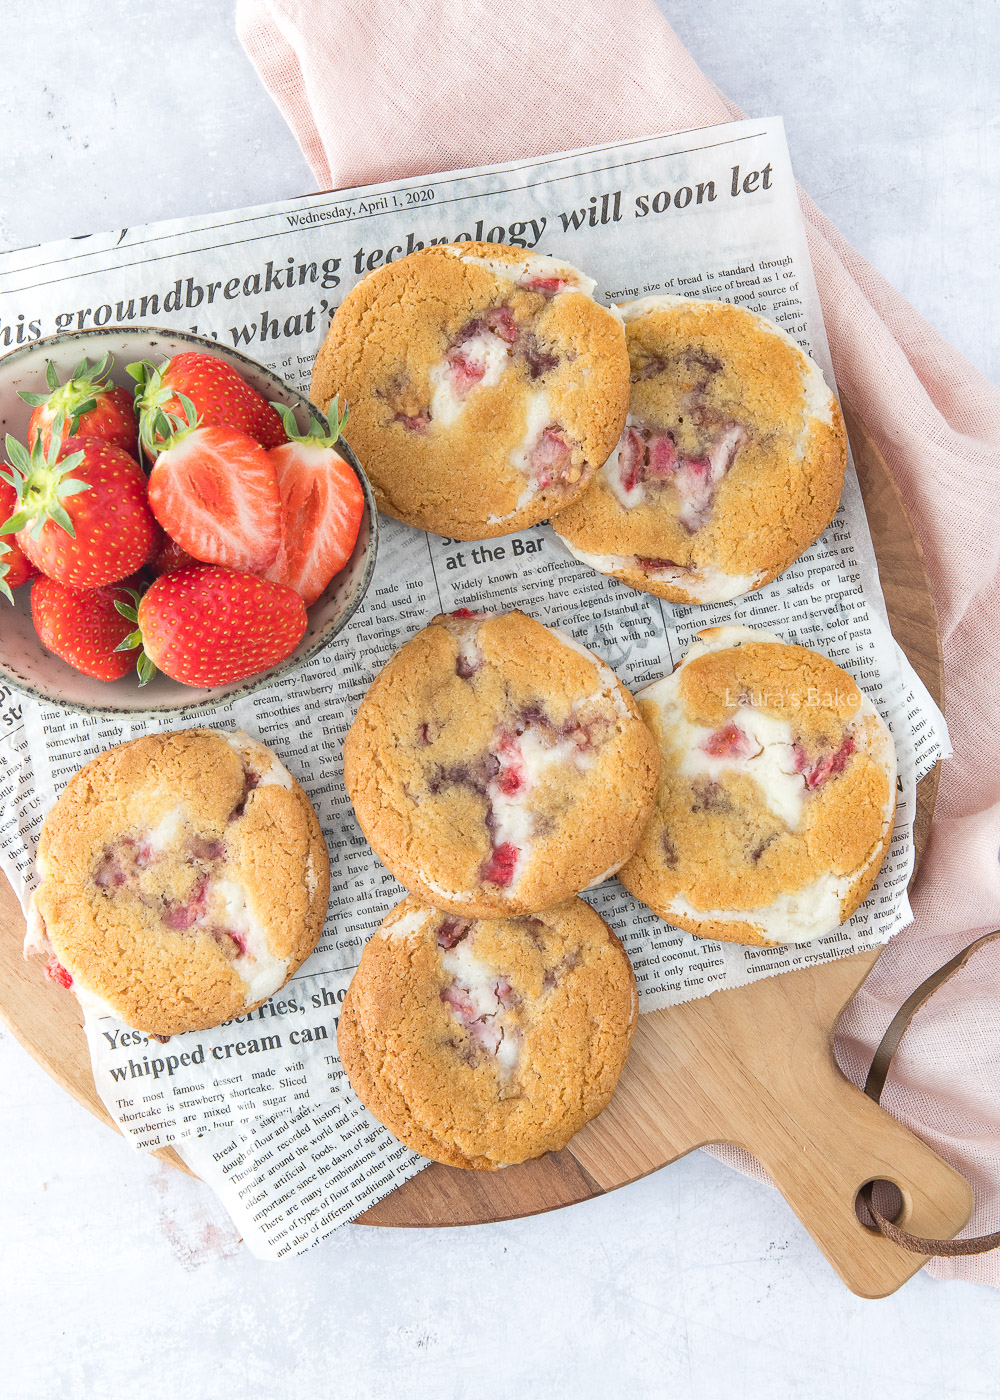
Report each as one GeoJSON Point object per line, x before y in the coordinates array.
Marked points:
{"type": "Point", "coordinates": [485, 384]}
{"type": "Point", "coordinates": [777, 792]}
{"type": "Point", "coordinates": [495, 766]}
{"type": "Point", "coordinates": [485, 1042]}
{"type": "Point", "coordinates": [730, 465]}
{"type": "Point", "coordinates": [184, 878]}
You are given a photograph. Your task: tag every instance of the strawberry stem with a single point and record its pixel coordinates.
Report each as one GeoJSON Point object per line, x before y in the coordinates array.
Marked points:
{"type": "Point", "coordinates": [323, 430]}
{"type": "Point", "coordinates": [80, 392]}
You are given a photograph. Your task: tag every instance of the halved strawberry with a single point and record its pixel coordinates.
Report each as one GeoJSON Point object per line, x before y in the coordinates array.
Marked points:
{"type": "Point", "coordinates": [321, 505]}
{"type": "Point", "coordinates": [15, 567]}
{"type": "Point", "coordinates": [221, 395]}
{"type": "Point", "coordinates": [88, 529]}
{"type": "Point", "coordinates": [209, 626]}
{"type": "Point", "coordinates": [214, 491]}
{"type": "Point", "coordinates": [92, 405]}
{"type": "Point", "coordinates": [83, 626]}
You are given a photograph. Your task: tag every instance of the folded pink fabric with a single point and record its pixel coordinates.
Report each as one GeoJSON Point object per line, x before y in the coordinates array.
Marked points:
{"type": "Point", "coordinates": [381, 89]}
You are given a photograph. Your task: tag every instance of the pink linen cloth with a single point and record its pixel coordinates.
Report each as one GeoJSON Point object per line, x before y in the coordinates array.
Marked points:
{"type": "Point", "coordinates": [382, 89]}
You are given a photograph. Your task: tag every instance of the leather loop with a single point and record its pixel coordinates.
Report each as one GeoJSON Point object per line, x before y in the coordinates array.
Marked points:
{"type": "Point", "coordinates": [874, 1085]}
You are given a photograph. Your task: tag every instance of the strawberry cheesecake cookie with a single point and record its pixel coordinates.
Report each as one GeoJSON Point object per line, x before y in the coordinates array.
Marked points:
{"type": "Point", "coordinates": [184, 878]}
{"type": "Point", "coordinates": [777, 792]}
{"type": "Point", "coordinates": [484, 1042]}
{"type": "Point", "coordinates": [485, 385]}
{"type": "Point", "coordinates": [496, 767]}
{"type": "Point", "coordinates": [730, 465]}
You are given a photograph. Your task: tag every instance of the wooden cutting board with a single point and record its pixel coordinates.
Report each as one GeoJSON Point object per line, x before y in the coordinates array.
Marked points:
{"type": "Point", "coordinates": [752, 1066]}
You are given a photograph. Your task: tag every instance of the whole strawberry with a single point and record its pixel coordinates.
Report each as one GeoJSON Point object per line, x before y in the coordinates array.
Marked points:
{"type": "Point", "coordinates": [221, 396]}
{"type": "Point", "coordinates": [82, 516]}
{"type": "Point", "coordinates": [15, 567]}
{"type": "Point", "coordinates": [210, 626]}
{"type": "Point", "coordinates": [83, 626]}
{"type": "Point", "coordinates": [90, 403]}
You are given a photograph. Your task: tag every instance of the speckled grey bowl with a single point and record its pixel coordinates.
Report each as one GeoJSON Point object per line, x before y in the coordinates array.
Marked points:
{"type": "Point", "coordinates": [27, 666]}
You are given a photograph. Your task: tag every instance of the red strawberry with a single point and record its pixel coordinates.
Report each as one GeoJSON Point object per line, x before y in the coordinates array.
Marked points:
{"type": "Point", "coordinates": [93, 406]}
{"type": "Point", "coordinates": [214, 491]}
{"type": "Point", "coordinates": [221, 395]}
{"type": "Point", "coordinates": [15, 567]}
{"type": "Point", "coordinates": [83, 626]}
{"type": "Point", "coordinates": [88, 529]}
{"type": "Point", "coordinates": [169, 558]}
{"type": "Point", "coordinates": [209, 626]}
{"type": "Point", "coordinates": [321, 506]}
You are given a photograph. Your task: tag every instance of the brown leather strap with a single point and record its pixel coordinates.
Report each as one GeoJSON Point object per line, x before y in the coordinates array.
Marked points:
{"type": "Point", "coordinates": [875, 1083]}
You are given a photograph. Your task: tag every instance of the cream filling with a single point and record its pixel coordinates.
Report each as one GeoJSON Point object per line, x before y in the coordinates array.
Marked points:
{"type": "Point", "coordinates": [771, 762]}
{"type": "Point", "coordinates": [705, 583]}
{"type": "Point", "coordinates": [611, 870]}
{"type": "Point", "coordinates": [613, 475]}
{"type": "Point", "coordinates": [405, 925]}
{"type": "Point", "coordinates": [167, 832]}
{"type": "Point", "coordinates": [480, 982]}
{"type": "Point", "coordinates": [537, 417]}
{"type": "Point", "coordinates": [513, 818]}
{"type": "Point", "coordinates": [489, 350]}
{"type": "Point", "coordinates": [36, 939]}
{"type": "Point", "coordinates": [529, 266]}
{"type": "Point", "coordinates": [254, 754]}
{"type": "Point", "coordinates": [816, 909]}
{"type": "Point", "coordinates": [799, 917]}
{"type": "Point", "coordinates": [466, 630]}
{"type": "Point", "coordinates": [261, 972]}
{"type": "Point", "coordinates": [442, 892]}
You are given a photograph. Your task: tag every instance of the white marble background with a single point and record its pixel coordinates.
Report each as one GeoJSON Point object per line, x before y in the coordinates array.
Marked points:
{"type": "Point", "coordinates": [121, 1276]}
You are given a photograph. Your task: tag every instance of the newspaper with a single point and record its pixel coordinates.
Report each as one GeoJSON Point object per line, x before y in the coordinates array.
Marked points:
{"type": "Point", "coordinates": [260, 1107]}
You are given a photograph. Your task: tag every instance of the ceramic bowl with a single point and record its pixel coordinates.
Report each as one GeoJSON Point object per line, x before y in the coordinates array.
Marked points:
{"type": "Point", "coordinates": [27, 666]}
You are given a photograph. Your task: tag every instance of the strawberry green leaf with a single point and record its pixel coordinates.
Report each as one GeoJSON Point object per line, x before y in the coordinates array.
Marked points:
{"type": "Point", "coordinates": [51, 377]}
{"type": "Point", "coordinates": [4, 571]}
{"type": "Point", "coordinates": [146, 669]}
{"type": "Point", "coordinates": [18, 454]}
{"type": "Point", "coordinates": [323, 432]}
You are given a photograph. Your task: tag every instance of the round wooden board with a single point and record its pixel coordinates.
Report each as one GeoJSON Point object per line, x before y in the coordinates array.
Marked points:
{"type": "Point", "coordinates": [717, 1069]}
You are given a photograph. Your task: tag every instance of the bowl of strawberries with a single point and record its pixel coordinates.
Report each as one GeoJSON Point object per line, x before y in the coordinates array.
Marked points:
{"type": "Point", "coordinates": [178, 526]}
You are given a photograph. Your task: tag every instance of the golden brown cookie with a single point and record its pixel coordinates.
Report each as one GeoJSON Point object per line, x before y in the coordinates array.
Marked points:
{"type": "Point", "coordinates": [184, 878]}
{"type": "Point", "coordinates": [496, 766]}
{"type": "Point", "coordinates": [731, 464]}
{"type": "Point", "coordinates": [485, 385]}
{"type": "Point", "coordinates": [777, 792]}
{"type": "Point", "coordinates": [481, 1043]}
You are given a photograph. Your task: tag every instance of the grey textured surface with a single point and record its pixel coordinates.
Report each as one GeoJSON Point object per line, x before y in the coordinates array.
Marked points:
{"type": "Point", "coordinates": [121, 1276]}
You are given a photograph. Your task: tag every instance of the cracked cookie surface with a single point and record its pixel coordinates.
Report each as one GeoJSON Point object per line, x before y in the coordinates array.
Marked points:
{"type": "Point", "coordinates": [184, 878]}
{"type": "Point", "coordinates": [485, 386]}
{"type": "Point", "coordinates": [496, 766]}
{"type": "Point", "coordinates": [485, 1042]}
{"type": "Point", "coordinates": [731, 463]}
{"type": "Point", "coordinates": [777, 792]}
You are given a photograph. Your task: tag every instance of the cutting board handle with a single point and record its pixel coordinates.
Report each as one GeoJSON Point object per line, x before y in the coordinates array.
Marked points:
{"type": "Point", "coordinates": [828, 1140]}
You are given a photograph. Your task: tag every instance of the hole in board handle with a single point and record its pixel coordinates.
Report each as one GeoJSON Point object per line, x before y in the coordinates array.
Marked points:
{"type": "Point", "coordinates": [888, 1199]}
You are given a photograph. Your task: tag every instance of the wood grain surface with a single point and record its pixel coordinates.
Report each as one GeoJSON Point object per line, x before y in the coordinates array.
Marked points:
{"type": "Point", "coordinates": [752, 1066]}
